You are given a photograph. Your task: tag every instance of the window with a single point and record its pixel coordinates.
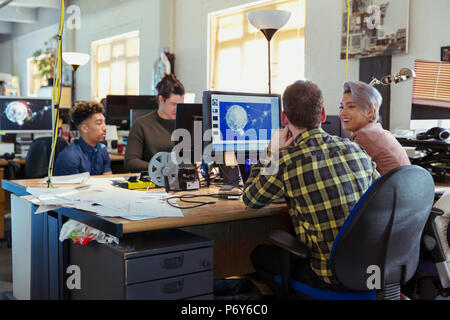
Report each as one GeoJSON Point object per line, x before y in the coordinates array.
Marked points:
{"type": "Point", "coordinates": [35, 79]}
{"type": "Point", "coordinates": [116, 65]}
{"type": "Point", "coordinates": [238, 51]}
{"type": "Point", "coordinates": [431, 94]}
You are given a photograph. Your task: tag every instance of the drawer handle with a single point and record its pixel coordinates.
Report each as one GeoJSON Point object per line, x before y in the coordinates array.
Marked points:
{"type": "Point", "coordinates": [172, 287]}
{"type": "Point", "coordinates": [172, 263]}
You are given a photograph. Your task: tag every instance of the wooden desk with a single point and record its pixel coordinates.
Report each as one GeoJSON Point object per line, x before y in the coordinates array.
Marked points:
{"type": "Point", "coordinates": [117, 163]}
{"type": "Point", "coordinates": [20, 161]}
{"type": "Point", "coordinates": [235, 229]}
{"type": "Point", "coordinates": [116, 157]}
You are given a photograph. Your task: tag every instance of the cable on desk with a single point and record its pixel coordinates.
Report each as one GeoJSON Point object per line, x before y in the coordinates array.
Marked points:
{"type": "Point", "coordinates": [183, 198]}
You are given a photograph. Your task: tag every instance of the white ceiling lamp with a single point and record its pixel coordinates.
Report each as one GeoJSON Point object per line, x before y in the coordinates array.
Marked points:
{"type": "Point", "coordinates": [268, 22]}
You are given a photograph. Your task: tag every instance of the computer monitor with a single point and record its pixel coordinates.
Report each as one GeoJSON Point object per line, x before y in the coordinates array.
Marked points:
{"type": "Point", "coordinates": [240, 121]}
{"type": "Point", "coordinates": [118, 108]}
{"type": "Point", "coordinates": [333, 126]}
{"type": "Point", "coordinates": [26, 115]}
{"type": "Point", "coordinates": [137, 113]}
{"type": "Point", "coordinates": [190, 117]}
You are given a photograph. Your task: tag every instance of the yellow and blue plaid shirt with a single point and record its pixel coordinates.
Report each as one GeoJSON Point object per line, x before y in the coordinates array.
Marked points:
{"type": "Point", "coordinates": [321, 177]}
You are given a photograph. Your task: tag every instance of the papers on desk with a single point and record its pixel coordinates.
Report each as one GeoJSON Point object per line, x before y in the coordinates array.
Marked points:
{"type": "Point", "coordinates": [99, 196]}
{"type": "Point", "coordinates": [71, 179]}
{"type": "Point", "coordinates": [79, 178]}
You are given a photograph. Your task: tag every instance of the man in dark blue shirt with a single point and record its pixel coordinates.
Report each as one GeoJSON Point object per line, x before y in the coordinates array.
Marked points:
{"type": "Point", "coordinates": [85, 154]}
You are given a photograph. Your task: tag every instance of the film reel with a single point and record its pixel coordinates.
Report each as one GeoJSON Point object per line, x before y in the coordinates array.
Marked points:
{"type": "Point", "coordinates": [161, 166]}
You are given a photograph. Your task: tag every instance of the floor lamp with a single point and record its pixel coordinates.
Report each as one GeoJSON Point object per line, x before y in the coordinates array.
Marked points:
{"type": "Point", "coordinates": [75, 59]}
{"type": "Point", "coordinates": [268, 22]}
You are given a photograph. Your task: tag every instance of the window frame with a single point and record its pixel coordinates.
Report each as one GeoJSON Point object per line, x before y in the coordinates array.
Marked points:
{"type": "Point", "coordinates": [114, 41]}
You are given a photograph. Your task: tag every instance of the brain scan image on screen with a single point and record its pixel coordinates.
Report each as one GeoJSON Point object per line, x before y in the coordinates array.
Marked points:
{"type": "Point", "coordinates": [26, 114]}
{"type": "Point", "coordinates": [236, 118]}
{"type": "Point", "coordinates": [19, 112]}
{"type": "Point", "coordinates": [240, 117]}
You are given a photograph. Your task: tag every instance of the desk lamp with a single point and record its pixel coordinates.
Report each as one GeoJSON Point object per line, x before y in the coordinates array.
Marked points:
{"type": "Point", "coordinates": [404, 74]}
{"type": "Point", "coordinates": [268, 22]}
{"type": "Point", "coordinates": [75, 59]}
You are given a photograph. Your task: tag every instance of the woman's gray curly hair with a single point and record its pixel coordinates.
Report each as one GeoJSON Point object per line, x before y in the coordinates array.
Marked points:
{"type": "Point", "coordinates": [365, 96]}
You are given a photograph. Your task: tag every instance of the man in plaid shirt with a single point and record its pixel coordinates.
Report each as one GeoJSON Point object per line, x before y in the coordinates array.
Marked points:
{"type": "Point", "coordinates": [321, 178]}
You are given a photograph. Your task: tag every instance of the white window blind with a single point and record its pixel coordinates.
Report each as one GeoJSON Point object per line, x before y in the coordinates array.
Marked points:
{"type": "Point", "coordinates": [238, 51]}
{"type": "Point", "coordinates": [116, 65]}
{"type": "Point", "coordinates": [432, 83]}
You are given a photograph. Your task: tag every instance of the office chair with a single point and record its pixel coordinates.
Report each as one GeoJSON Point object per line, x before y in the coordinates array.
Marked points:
{"type": "Point", "coordinates": [432, 278]}
{"type": "Point", "coordinates": [38, 156]}
{"type": "Point", "coordinates": [384, 230]}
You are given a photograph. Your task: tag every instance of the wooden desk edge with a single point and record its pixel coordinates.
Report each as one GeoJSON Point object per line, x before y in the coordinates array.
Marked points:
{"type": "Point", "coordinates": [229, 210]}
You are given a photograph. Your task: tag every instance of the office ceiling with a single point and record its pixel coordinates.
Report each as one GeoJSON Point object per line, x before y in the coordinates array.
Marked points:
{"type": "Point", "coordinates": [22, 11]}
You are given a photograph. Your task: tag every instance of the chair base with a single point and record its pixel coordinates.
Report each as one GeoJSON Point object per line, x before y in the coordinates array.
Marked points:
{"type": "Point", "coordinates": [391, 292]}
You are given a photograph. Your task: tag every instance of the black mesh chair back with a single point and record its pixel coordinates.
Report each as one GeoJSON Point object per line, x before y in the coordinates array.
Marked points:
{"type": "Point", "coordinates": [38, 156]}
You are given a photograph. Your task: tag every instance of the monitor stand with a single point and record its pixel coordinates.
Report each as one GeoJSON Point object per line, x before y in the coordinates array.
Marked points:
{"type": "Point", "coordinates": [230, 175]}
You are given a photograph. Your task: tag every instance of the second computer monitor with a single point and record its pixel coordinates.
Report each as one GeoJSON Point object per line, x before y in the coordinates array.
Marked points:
{"type": "Point", "coordinates": [240, 121]}
{"type": "Point", "coordinates": [118, 108]}
{"type": "Point", "coordinates": [190, 117]}
{"type": "Point", "coordinates": [26, 115]}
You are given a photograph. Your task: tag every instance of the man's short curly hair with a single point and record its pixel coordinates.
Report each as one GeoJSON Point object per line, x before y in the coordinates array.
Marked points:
{"type": "Point", "coordinates": [83, 110]}
{"type": "Point", "coordinates": [303, 103]}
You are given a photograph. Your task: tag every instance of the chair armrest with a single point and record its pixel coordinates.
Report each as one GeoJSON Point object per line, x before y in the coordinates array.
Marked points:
{"type": "Point", "coordinates": [430, 237]}
{"type": "Point", "coordinates": [287, 242]}
{"type": "Point", "coordinates": [436, 212]}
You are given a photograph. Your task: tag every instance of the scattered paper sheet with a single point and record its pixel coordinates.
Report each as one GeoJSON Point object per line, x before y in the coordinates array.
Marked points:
{"type": "Point", "coordinates": [78, 178]}
{"type": "Point", "coordinates": [105, 200]}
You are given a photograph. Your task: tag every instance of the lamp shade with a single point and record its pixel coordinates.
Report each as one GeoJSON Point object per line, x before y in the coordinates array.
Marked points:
{"type": "Point", "coordinates": [75, 58]}
{"type": "Point", "coordinates": [268, 19]}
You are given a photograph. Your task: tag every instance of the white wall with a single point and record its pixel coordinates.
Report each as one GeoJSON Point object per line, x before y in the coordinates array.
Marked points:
{"type": "Point", "coordinates": [429, 25]}
{"type": "Point", "coordinates": [23, 48]}
{"type": "Point", "coordinates": [6, 60]}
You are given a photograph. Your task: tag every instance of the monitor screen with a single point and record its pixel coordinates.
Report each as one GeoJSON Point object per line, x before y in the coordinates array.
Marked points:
{"type": "Point", "coordinates": [332, 126]}
{"type": "Point", "coordinates": [137, 113]}
{"type": "Point", "coordinates": [26, 115]}
{"type": "Point", "coordinates": [118, 108]}
{"type": "Point", "coordinates": [189, 117]}
{"type": "Point", "coordinates": [187, 113]}
{"type": "Point", "coordinates": [241, 121]}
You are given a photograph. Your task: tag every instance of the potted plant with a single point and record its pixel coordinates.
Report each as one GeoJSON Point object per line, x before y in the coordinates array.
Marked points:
{"type": "Point", "coordinates": [44, 59]}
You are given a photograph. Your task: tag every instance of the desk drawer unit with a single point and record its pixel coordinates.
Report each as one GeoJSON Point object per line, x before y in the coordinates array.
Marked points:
{"type": "Point", "coordinates": [186, 286]}
{"type": "Point", "coordinates": [165, 264]}
{"type": "Point", "coordinates": [168, 265]}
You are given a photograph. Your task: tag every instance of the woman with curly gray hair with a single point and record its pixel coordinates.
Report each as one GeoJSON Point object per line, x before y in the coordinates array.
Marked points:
{"type": "Point", "coordinates": [359, 114]}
